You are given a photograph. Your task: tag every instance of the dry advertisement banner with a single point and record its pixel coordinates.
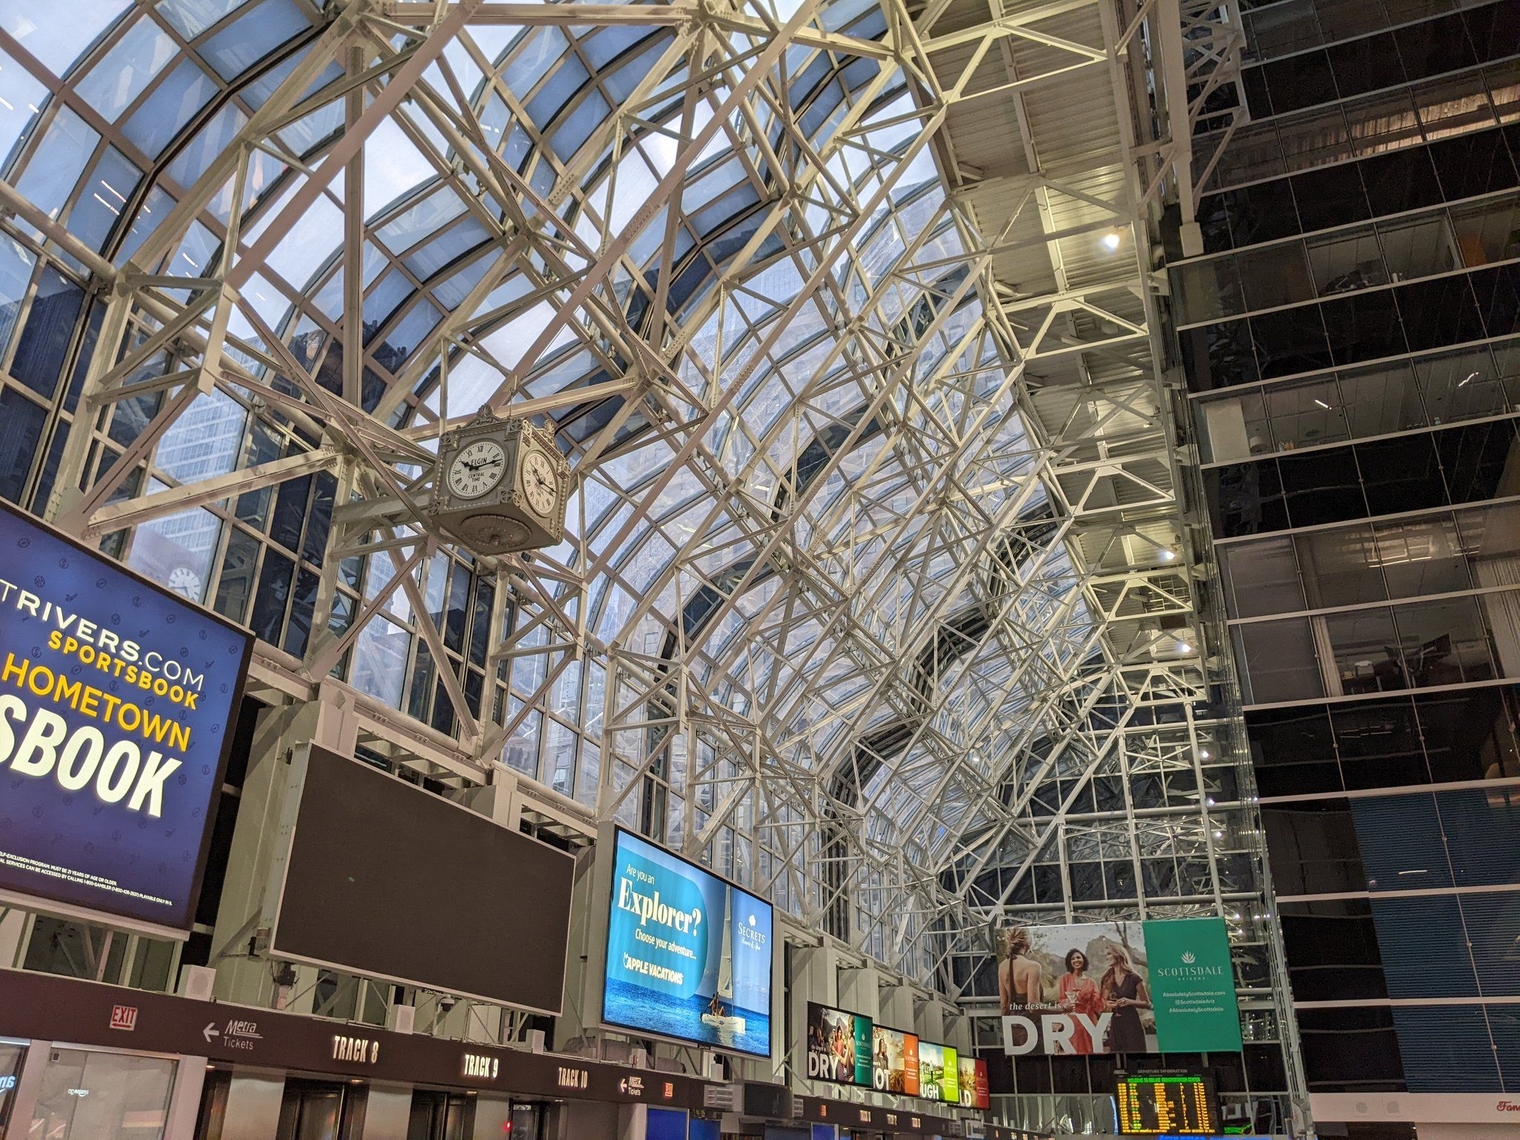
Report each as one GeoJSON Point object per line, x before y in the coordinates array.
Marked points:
{"type": "Point", "coordinates": [838, 1046]}
{"type": "Point", "coordinates": [1118, 987]}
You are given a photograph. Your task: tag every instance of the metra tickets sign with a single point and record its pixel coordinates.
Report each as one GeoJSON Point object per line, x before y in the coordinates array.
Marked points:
{"type": "Point", "coordinates": [116, 707]}
{"type": "Point", "coordinates": [1118, 987]}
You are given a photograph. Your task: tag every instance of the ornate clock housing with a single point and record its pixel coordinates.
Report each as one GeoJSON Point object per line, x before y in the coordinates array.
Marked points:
{"type": "Point", "coordinates": [500, 486]}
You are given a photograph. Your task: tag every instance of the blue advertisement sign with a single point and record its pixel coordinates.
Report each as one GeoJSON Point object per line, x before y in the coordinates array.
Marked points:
{"type": "Point", "coordinates": [688, 953]}
{"type": "Point", "coordinates": [117, 702]}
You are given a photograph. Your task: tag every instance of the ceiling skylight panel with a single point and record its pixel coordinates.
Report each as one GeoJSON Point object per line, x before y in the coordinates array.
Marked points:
{"type": "Point", "coordinates": [310, 243]}
{"type": "Point", "coordinates": [127, 68]}
{"type": "Point", "coordinates": [178, 98]}
{"type": "Point", "coordinates": [252, 36]}
{"type": "Point", "coordinates": [393, 167]}
{"type": "Point", "coordinates": [57, 34]}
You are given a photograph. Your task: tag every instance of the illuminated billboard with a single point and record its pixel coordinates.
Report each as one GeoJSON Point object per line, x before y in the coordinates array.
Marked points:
{"type": "Point", "coordinates": [117, 702]}
{"type": "Point", "coordinates": [838, 1046]}
{"type": "Point", "coordinates": [938, 1073]}
{"type": "Point", "coordinates": [894, 1061]}
{"type": "Point", "coordinates": [688, 953]}
{"type": "Point", "coordinates": [1118, 987]}
{"type": "Point", "coordinates": [975, 1089]}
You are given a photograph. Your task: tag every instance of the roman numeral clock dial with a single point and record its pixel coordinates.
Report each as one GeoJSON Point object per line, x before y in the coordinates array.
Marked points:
{"type": "Point", "coordinates": [477, 469]}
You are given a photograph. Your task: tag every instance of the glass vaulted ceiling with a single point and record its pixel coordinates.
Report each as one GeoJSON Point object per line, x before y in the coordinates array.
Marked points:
{"type": "Point", "coordinates": [824, 603]}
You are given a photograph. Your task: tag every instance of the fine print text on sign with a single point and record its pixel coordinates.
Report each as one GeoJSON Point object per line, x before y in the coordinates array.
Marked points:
{"type": "Point", "coordinates": [116, 704]}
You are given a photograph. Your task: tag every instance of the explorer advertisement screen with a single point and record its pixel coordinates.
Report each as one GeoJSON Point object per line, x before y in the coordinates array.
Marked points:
{"type": "Point", "coordinates": [688, 953]}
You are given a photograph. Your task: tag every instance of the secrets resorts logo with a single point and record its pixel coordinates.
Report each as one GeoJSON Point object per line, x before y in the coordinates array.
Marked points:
{"type": "Point", "coordinates": [1190, 969]}
{"type": "Point", "coordinates": [751, 935]}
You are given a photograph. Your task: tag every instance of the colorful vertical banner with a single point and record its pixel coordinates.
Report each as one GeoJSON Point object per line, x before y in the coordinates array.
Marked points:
{"type": "Point", "coordinates": [839, 1046]}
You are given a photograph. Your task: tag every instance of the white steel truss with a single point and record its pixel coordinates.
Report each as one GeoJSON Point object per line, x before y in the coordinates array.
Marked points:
{"type": "Point", "coordinates": [881, 590]}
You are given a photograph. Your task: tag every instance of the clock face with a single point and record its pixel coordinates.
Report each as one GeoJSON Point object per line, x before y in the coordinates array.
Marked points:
{"type": "Point", "coordinates": [185, 582]}
{"type": "Point", "coordinates": [540, 483]}
{"type": "Point", "coordinates": [477, 469]}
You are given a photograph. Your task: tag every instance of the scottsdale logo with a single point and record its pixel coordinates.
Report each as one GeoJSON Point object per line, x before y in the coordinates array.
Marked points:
{"type": "Point", "coordinates": [1188, 969]}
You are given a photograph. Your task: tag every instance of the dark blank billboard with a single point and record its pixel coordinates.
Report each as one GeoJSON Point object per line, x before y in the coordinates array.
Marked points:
{"type": "Point", "coordinates": [388, 880]}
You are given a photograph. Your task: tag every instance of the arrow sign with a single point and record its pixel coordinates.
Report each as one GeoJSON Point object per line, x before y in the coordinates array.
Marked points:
{"type": "Point", "coordinates": [210, 1031]}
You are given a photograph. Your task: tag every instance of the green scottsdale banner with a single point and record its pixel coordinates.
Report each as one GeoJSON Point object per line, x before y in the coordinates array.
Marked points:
{"type": "Point", "coordinates": [1163, 986]}
{"type": "Point", "coordinates": [1193, 986]}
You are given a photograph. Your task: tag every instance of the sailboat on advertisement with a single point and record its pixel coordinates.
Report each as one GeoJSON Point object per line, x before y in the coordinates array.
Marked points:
{"type": "Point", "coordinates": [720, 1011]}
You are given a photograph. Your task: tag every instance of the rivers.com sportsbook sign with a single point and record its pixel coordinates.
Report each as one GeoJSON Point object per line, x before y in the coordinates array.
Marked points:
{"type": "Point", "coordinates": [116, 707]}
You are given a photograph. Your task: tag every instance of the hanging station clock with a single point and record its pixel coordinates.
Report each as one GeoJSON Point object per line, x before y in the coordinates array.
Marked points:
{"type": "Point", "coordinates": [500, 486]}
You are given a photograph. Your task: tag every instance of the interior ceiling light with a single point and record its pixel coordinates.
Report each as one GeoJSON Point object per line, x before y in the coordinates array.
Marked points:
{"type": "Point", "coordinates": [1111, 242]}
{"type": "Point", "coordinates": [1167, 555]}
{"type": "Point", "coordinates": [1184, 647]}
{"type": "Point", "coordinates": [1471, 376]}
{"type": "Point", "coordinates": [1322, 404]}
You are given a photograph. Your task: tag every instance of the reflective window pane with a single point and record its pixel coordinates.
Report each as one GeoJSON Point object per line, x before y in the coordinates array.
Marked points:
{"type": "Point", "coordinates": [102, 1096]}
{"type": "Point", "coordinates": [1306, 414]}
{"type": "Point", "coordinates": [1340, 567]}
{"type": "Point", "coordinates": [1444, 642]}
{"type": "Point", "coordinates": [1346, 260]}
{"type": "Point", "coordinates": [1366, 649]}
{"type": "Point", "coordinates": [1263, 578]}
{"type": "Point", "coordinates": [1382, 400]}
{"type": "Point", "coordinates": [1422, 557]}
{"type": "Point", "coordinates": [1279, 660]}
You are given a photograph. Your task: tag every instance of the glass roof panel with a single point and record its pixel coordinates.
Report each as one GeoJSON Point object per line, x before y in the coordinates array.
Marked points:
{"type": "Point", "coordinates": [176, 99]}
{"type": "Point", "coordinates": [252, 36]}
{"type": "Point", "coordinates": [55, 42]}
{"type": "Point", "coordinates": [123, 72]}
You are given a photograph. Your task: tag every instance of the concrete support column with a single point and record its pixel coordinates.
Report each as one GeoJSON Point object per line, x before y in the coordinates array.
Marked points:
{"type": "Point", "coordinates": [895, 1004]}
{"type": "Point", "coordinates": [13, 928]}
{"type": "Point", "coordinates": [251, 862]}
{"type": "Point", "coordinates": [491, 1115]}
{"type": "Point", "coordinates": [185, 1099]}
{"type": "Point", "coordinates": [388, 1112]}
{"type": "Point", "coordinates": [859, 990]}
{"type": "Point", "coordinates": [590, 1120]}
{"type": "Point", "coordinates": [253, 1106]}
{"type": "Point", "coordinates": [957, 1027]}
{"type": "Point", "coordinates": [632, 1122]}
{"type": "Point", "coordinates": [929, 1019]}
{"type": "Point", "coordinates": [28, 1088]}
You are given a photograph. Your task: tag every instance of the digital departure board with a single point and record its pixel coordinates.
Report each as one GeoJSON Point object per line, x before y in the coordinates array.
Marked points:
{"type": "Point", "coordinates": [1176, 1104]}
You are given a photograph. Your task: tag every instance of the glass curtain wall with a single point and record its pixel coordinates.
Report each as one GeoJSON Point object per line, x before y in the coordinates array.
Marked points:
{"type": "Point", "coordinates": [1349, 340]}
